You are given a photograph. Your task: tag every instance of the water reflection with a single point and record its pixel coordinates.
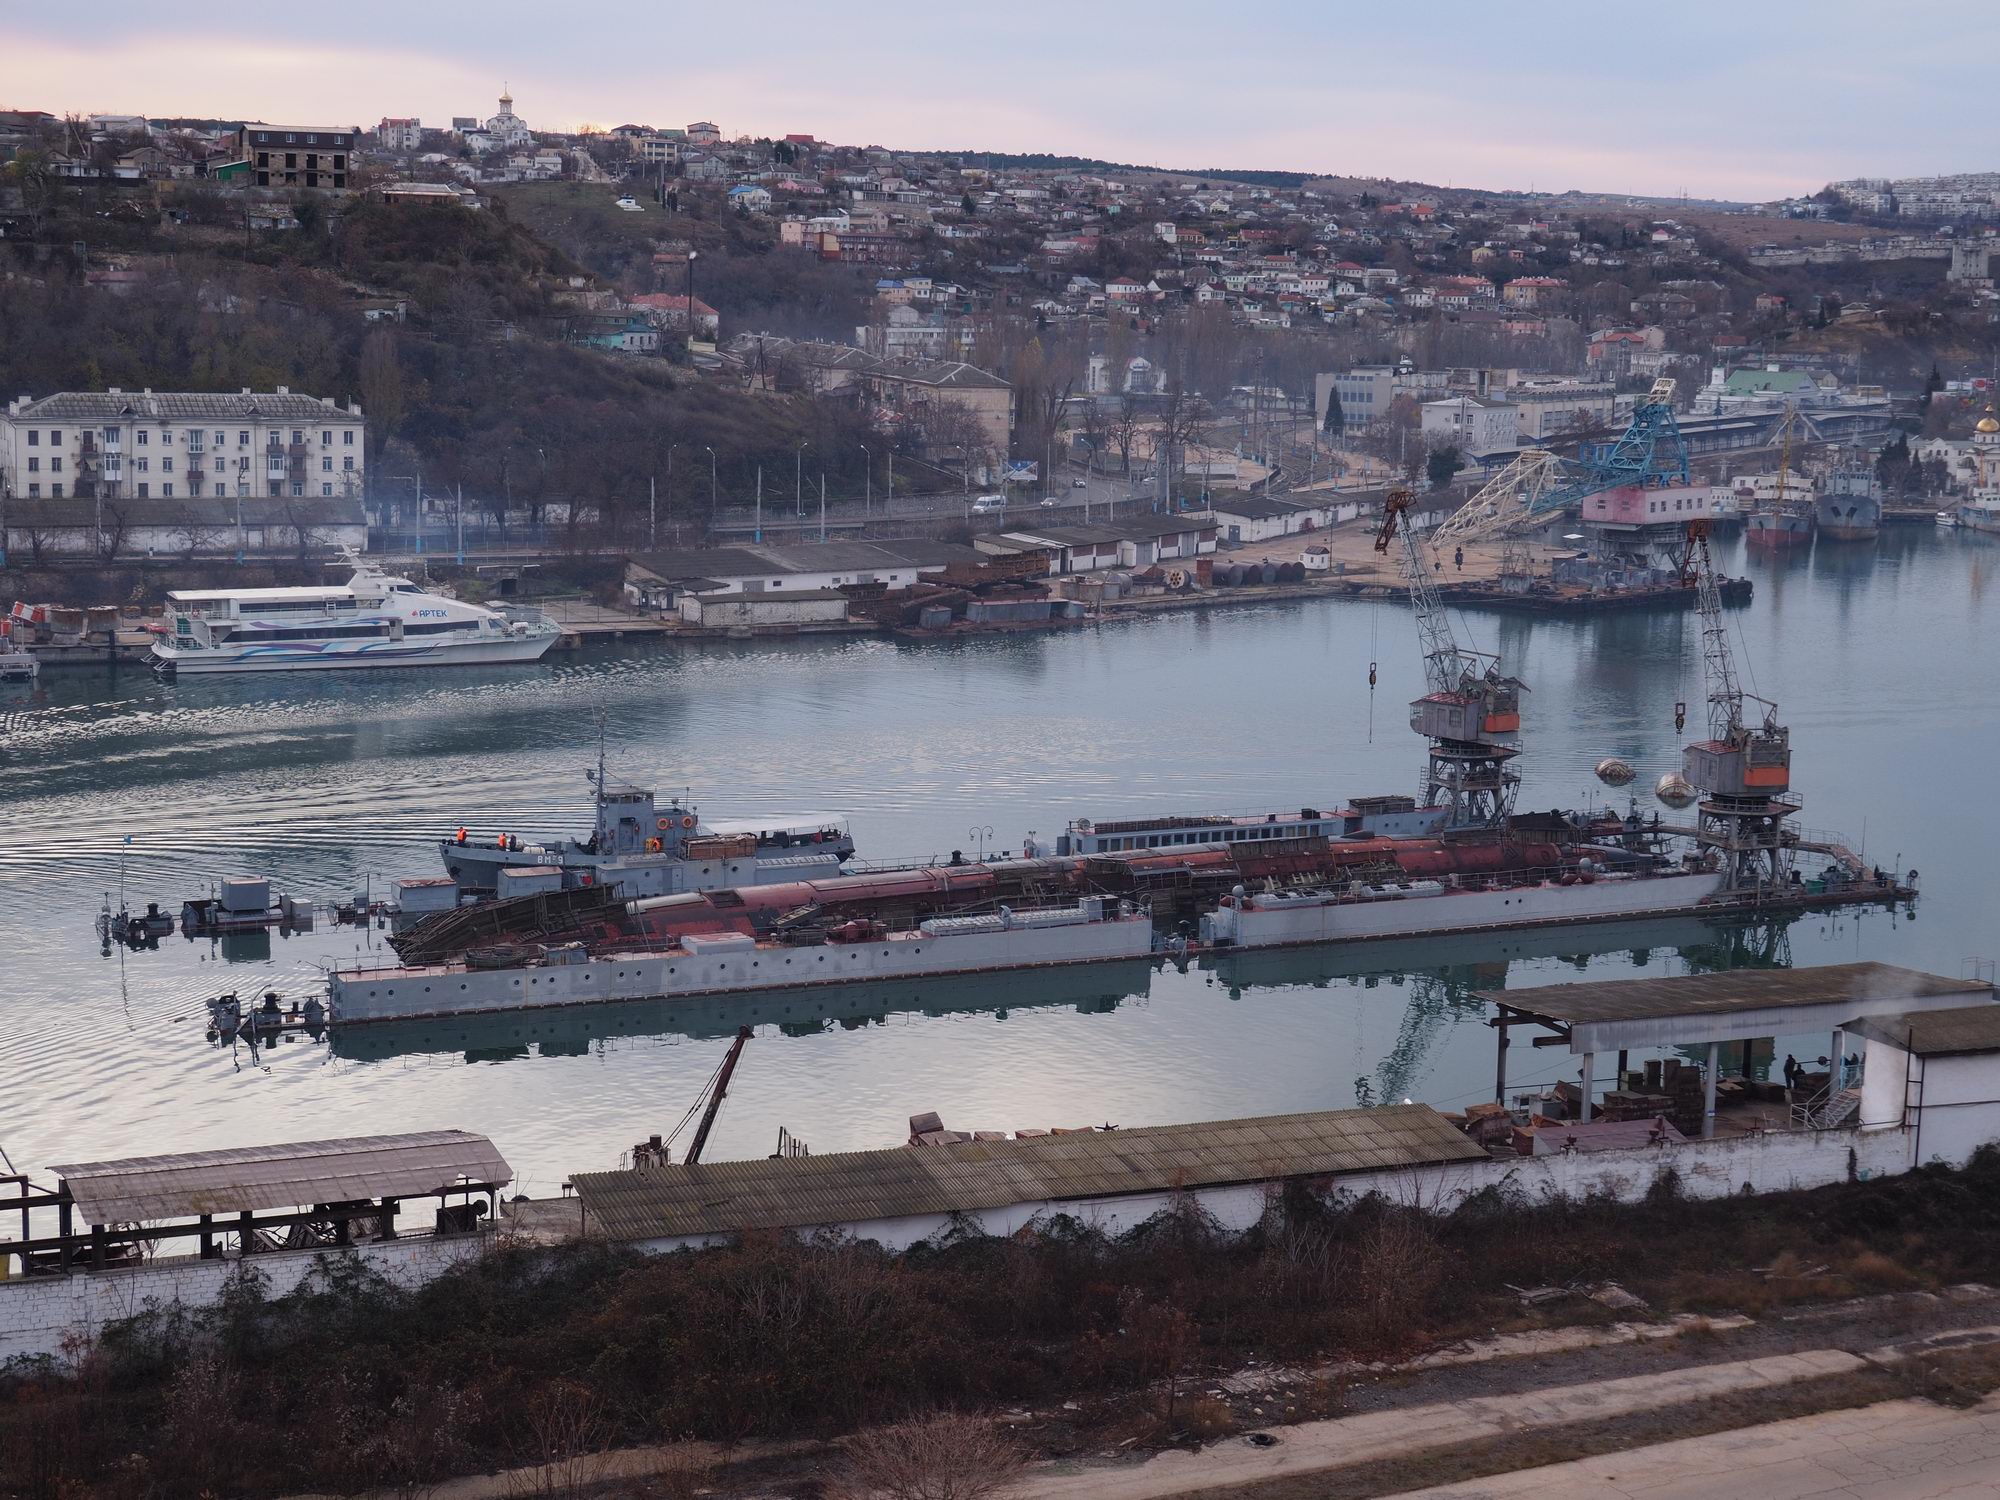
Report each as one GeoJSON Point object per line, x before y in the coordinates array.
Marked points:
{"type": "Point", "coordinates": [332, 784]}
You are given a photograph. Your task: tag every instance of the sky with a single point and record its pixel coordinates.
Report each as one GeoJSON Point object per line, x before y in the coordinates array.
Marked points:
{"type": "Point", "coordinates": [1715, 100]}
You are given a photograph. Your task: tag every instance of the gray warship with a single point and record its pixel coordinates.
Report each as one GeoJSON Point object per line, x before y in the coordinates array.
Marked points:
{"type": "Point", "coordinates": [645, 847]}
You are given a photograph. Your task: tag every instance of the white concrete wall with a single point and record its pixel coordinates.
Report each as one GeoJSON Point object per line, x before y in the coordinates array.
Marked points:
{"type": "Point", "coordinates": [1771, 1163]}
{"type": "Point", "coordinates": [54, 1314]}
{"type": "Point", "coordinates": [1956, 1112]}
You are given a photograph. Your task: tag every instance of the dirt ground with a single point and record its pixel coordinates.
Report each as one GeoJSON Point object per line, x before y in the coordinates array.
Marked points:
{"type": "Point", "coordinates": [1352, 545]}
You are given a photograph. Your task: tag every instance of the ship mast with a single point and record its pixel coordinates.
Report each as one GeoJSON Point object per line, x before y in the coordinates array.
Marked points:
{"type": "Point", "coordinates": [1469, 705]}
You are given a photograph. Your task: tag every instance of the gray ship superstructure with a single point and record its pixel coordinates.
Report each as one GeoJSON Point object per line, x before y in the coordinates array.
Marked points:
{"type": "Point", "coordinates": [645, 847]}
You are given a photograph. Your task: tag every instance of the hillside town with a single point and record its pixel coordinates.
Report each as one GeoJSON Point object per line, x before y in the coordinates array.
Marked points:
{"type": "Point", "coordinates": [1199, 782]}
{"type": "Point", "coordinates": [993, 322]}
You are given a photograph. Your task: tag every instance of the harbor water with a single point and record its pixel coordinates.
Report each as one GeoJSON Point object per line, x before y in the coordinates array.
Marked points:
{"type": "Point", "coordinates": [336, 783]}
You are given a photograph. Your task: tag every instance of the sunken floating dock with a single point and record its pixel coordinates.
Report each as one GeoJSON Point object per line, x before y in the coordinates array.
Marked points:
{"type": "Point", "coordinates": [1553, 599]}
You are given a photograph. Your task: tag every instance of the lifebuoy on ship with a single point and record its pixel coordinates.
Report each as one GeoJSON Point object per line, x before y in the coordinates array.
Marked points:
{"type": "Point", "coordinates": [687, 822]}
{"type": "Point", "coordinates": [664, 824]}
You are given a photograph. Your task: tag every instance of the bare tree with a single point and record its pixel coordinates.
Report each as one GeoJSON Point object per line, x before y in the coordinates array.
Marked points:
{"type": "Point", "coordinates": [383, 400]}
{"type": "Point", "coordinates": [112, 526]}
{"type": "Point", "coordinates": [1123, 432]}
{"type": "Point", "coordinates": [945, 1456]}
{"type": "Point", "coordinates": [202, 529]}
{"type": "Point", "coordinates": [307, 533]}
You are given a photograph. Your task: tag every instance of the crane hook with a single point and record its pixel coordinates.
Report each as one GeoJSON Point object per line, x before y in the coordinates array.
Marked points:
{"type": "Point", "coordinates": [1371, 676]}
{"type": "Point", "coordinates": [1680, 717]}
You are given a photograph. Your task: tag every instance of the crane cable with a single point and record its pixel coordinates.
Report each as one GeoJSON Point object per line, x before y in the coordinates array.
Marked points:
{"type": "Point", "coordinates": [1374, 636]}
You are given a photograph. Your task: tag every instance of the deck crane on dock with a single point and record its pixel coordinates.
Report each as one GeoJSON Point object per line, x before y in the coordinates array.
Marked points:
{"type": "Point", "coordinates": [656, 1151]}
{"type": "Point", "coordinates": [1469, 708]}
{"type": "Point", "coordinates": [1539, 486]}
{"type": "Point", "coordinates": [1741, 772]}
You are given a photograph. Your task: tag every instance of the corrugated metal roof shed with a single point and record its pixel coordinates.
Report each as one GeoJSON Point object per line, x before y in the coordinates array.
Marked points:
{"type": "Point", "coordinates": [854, 1187]}
{"type": "Point", "coordinates": [1733, 990]}
{"type": "Point", "coordinates": [143, 1189]}
{"type": "Point", "coordinates": [1937, 1033]}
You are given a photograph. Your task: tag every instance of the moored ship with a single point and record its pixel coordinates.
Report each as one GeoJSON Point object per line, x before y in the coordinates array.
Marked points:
{"type": "Point", "coordinates": [643, 847]}
{"type": "Point", "coordinates": [1849, 509]}
{"type": "Point", "coordinates": [373, 620]}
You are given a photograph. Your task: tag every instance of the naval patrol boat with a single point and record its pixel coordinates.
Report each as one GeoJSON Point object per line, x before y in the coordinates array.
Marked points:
{"type": "Point", "coordinates": [645, 847]}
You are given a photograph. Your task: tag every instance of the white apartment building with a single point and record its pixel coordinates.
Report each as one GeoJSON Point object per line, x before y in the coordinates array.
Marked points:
{"type": "Point", "coordinates": [1551, 408]}
{"type": "Point", "coordinates": [399, 133]}
{"type": "Point", "coordinates": [158, 445]}
{"type": "Point", "coordinates": [1472, 425]}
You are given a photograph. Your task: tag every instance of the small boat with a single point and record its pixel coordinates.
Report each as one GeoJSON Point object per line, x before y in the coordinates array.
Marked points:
{"type": "Point", "coordinates": [17, 665]}
{"type": "Point", "coordinates": [1947, 518]}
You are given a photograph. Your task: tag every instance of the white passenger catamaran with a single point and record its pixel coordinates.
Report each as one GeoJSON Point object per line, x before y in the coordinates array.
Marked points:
{"type": "Point", "coordinates": [373, 620]}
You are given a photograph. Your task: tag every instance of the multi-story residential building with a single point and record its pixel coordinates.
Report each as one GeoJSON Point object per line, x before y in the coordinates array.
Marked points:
{"type": "Point", "coordinates": [159, 445]}
{"type": "Point", "coordinates": [1551, 408]}
{"type": "Point", "coordinates": [308, 156]}
{"type": "Point", "coordinates": [399, 134]}
{"type": "Point", "coordinates": [1473, 426]}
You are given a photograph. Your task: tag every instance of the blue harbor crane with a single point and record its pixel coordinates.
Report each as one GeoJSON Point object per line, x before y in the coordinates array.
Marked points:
{"type": "Point", "coordinates": [1540, 484]}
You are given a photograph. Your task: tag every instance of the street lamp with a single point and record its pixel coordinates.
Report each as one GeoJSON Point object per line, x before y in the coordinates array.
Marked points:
{"type": "Point", "coordinates": [711, 484]}
{"type": "Point", "coordinates": [799, 479]}
{"type": "Point", "coordinates": [867, 479]}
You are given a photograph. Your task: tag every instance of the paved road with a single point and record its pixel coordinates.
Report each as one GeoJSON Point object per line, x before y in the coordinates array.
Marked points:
{"type": "Point", "coordinates": [1897, 1450]}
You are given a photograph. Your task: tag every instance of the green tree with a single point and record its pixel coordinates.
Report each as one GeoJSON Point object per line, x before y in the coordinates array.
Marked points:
{"type": "Point", "coordinates": [1442, 463]}
{"type": "Point", "coordinates": [1335, 420]}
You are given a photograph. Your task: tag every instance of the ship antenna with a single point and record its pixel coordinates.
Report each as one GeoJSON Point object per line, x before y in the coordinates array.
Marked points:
{"type": "Point", "coordinates": [600, 755]}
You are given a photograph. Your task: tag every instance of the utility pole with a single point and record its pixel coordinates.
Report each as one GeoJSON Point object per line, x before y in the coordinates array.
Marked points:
{"type": "Point", "coordinates": [799, 479]}
{"type": "Point", "coordinates": [461, 524]}
{"type": "Point", "coordinates": [890, 464]}
{"type": "Point", "coordinates": [867, 493]}
{"type": "Point", "coordinates": [759, 533]}
{"type": "Point", "coordinates": [822, 505]}
{"type": "Point", "coordinates": [690, 306]}
{"type": "Point", "coordinates": [711, 485]}
{"type": "Point", "coordinates": [652, 514]}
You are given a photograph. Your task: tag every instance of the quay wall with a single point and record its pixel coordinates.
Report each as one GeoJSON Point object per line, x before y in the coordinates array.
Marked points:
{"type": "Point", "coordinates": [1775, 1162]}
{"type": "Point", "coordinates": [60, 1316]}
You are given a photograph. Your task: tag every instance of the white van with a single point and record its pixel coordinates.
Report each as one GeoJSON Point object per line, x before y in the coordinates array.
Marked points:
{"type": "Point", "coordinates": [989, 505]}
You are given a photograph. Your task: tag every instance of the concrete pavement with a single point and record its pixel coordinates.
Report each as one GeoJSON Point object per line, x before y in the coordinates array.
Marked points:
{"type": "Point", "coordinates": [1897, 1450]}
{"type": "Point", "coordinates": [1318, 1447]}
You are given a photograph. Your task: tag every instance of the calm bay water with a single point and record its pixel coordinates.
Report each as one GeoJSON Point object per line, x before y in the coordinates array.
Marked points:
{"type": "Point", "coordinates": [328, 783]}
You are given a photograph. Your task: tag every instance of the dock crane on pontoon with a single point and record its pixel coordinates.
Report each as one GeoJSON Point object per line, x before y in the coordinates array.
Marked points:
{"type": "Point", "coordinates": [1469, 704]}
{"type": "Point", "coordinates": [1741, 773]}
